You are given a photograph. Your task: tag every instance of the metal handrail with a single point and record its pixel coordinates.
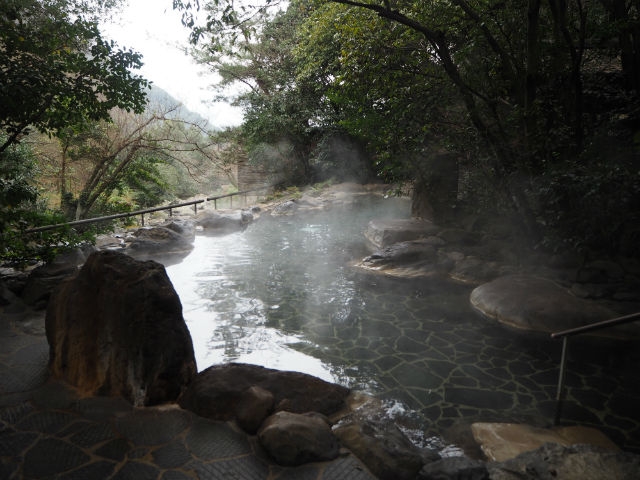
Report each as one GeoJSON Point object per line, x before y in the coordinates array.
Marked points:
{"type": "Point", "coordinates": [566, 334]}
{"type": "Point", "coordinates": [597, 326]}
{"type": "Point", "coordinates": [45, 228]}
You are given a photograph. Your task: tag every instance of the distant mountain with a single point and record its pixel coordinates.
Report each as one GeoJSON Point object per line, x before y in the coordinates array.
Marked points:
{"type": "Point", "coordinates": [159, 97]}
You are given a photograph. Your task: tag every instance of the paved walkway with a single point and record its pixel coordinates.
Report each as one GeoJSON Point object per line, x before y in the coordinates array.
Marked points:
{"type": "Point", "coordinates": [48, 431]}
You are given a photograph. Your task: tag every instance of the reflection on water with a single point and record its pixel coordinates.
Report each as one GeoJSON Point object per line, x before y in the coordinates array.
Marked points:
{"type": "Point", "coordinates": [247, 296]}
{"type": "Point", "coordinates": [281, 294]}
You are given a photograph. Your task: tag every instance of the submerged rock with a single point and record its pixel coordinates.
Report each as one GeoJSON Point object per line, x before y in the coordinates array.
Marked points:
{"type": "Point", "coordinates": [116, 328]}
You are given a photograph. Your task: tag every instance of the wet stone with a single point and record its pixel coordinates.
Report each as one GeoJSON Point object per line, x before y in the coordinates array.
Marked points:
{"type": "Point", "coordinates": [410, 376]}
{"type": "Point", "coordinates": [48, 421]}
{"type": "Point", "coordinates": [92, 434]}
{"type": "Point", "coordinates": [494, 400]}
{"type": "Point", "coordinates": [245, 468]}
{"type": "Point", "coordinates": [152, 427]}
{"type": "Point", "coordinates": [171, 456]}
{"type": "Point", "coordinates": [386, 363]}
{"type": "Point", "coordinates": [13, 444]}
{"type": "Point", "coordinates": [136, 470]}
{"type": "Point", "coordinates": [116, 449]}
{"type": "Point", "coordinates": [101, 469]}
{"type": "Point", "coordinates": [50, 457]}
{"type": "Point", "coordinates": [408, 345]}
{"type": "Point", "coordinates": [362, 353]}
{"type": "Point", "coordinates": [209, 440]}
{"type": "Point", "coordinates": [175, 475]}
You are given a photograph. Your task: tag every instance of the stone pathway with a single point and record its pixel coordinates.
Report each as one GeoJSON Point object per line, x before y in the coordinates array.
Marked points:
{"type": "Point", "coordinates": [48, 431]}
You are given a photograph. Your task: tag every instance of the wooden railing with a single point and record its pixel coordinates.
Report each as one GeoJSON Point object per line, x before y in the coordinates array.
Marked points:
{"type": "Point", "coordinates": [170, 207]}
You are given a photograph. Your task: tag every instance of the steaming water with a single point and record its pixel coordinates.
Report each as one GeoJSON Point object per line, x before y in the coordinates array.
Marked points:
{"type": "Point", "coordinates": [281, 294]}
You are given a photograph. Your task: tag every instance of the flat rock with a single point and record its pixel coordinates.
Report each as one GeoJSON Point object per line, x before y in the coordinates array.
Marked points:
{"type": "Point", "coordinates": [533, 303]}
{"type": "Point", "coordinates": [553, 461]}
{"type": "Point", "coordinates": [221, 222]}
{"type": "Point", "coordinates": [503, 441]}
{"type": "Point", "coordinates": [410, 259]}
{"type": "Point", "coordinates": [384, 232]}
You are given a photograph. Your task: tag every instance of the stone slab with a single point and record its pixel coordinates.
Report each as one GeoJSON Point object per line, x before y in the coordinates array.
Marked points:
{"type": "Point", "coordinates": [503, 441]}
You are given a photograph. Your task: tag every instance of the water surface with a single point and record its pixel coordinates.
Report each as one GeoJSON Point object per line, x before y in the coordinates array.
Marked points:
{"type": "Point", "coordinates": [281, 294]}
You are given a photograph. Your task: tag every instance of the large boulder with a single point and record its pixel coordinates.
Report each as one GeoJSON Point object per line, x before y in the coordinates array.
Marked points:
{"type": "Point", "coordinates": [45, 278]}
{"type": "Point", "coordinates": [295, 438]}
{"type": "Point", "coordinates": [222, 392]}
{"type": "Point", "coordinates": [538, 304]}
{"type": "Point", "coordinates": [116, 328]}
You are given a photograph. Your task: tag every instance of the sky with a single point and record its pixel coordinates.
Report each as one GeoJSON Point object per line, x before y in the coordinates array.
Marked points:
{"type": "Point", "coordinates": [153, 28]}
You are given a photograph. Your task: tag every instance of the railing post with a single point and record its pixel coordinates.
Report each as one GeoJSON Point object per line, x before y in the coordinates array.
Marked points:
{"type": "Point", "coordinates": [142, 217]}
{"type": "Point", "coordinates": [563, 361]}
{"type": "Point", "coordinates": [215, 203]}
{"type": "Point", "coordinates": [195, 208]}
{"type": "Point", "coordinates": [171, 212]}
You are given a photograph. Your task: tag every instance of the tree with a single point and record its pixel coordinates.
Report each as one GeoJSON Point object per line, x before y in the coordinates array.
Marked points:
{"type": "Point", "coordinates": [56, 70]}
{"type": "Point", "coordinates": [131, 152]}
{"type": "Point", "coordinates": [510, 75]}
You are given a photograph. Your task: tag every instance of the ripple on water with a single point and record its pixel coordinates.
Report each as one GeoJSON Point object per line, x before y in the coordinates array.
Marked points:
{"type": "Point", "coordinates": [277, 295]}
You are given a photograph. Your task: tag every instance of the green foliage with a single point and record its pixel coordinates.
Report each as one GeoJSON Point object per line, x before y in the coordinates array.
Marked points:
{"type": "Point", "coordinates": [56, 70]}
{"type": "Point", "coordinates": [504, 98]}
{"type": "Point", "coordinates": [21, 210]}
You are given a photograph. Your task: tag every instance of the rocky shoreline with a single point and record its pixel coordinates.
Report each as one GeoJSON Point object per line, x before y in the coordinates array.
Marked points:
{"type": "Point", "coordinates": [508, 287]}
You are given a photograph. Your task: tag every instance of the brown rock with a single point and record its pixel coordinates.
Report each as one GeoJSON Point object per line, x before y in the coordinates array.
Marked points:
{"type": "Point", "coordinates": [503, 441]}
{"type": "Point", "coordinates": [216, 391]}
{"type": "Point", "coordinates": [294, 439]}
{"type": "Point", "coordinates": [116, 328]}
{"type": "Point", "coordinates": [254, 406]}
{"type": "Point", "coordinates": [381, 446]}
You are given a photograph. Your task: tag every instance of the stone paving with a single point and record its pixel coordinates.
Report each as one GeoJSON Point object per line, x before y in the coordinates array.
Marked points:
{"type": "Point", "coordinates": [48, 431]}
{"type": "Point", "coordinates": [425, 347]}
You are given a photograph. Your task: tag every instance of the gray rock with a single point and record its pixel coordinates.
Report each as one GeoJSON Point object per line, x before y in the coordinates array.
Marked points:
{"type": "Point", "coordinates": [381, 446]}
{"type": "Point", "coordinates": [533, 303]}
{"type": "Point", "coordinates": [294, 439]}
{"type": "Point", "coordinates": [45, 278]}
{"type": "Point", "coordinates": [173, 238]}
{"type": "Point", "coordinates": [384, 232]}
{"type": "Point", "coordinates": [116, 328]}
{"type": "Point", "coordinates": [220, 222]}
